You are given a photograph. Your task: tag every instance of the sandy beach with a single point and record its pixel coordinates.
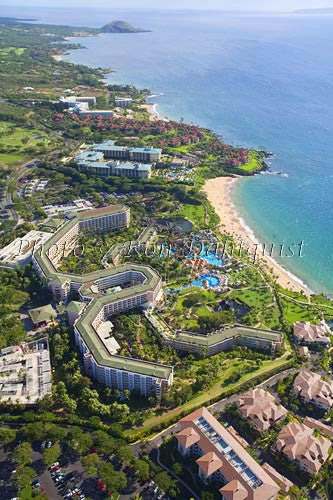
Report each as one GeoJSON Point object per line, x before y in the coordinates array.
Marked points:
{"type": "Point", "coordinates": [153, 113]}
{"type": "Point", "coordinates": [219, 192]}
{"type": "Point", "coordinates": [57, 57]}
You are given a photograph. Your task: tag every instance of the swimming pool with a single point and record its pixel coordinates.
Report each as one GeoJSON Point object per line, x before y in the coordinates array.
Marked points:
{"type": "Point", "coordinates": [211, 280]}
{"type": "Point", "coordinates": [210, 257]}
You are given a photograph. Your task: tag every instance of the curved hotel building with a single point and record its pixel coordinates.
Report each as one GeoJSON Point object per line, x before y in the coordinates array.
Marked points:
{"type": "Point", "coordinates": [102, 294]}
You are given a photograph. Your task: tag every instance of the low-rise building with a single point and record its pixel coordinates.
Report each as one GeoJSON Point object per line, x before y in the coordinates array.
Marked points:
{"type": "Point", "coordinates": [326, 430]}
{"type": "Point", "coordinates": [221, 459]}
{"type": "Point", "coordinates": [71, 101]}
{"type": "Point", "coordinates": [123, 102]}
{"type": "Point", "coordinates": [312, 334]}
{"type": "Point", "coordinates": [260, 407]}
{"type": "Point", "coordinates": [19, 252]}
{"type": "Point", "coordinates": [25, 372]}
{"type": "Point", "coordinates": [96, 112]}
{"type": "Point", "coordinates": [298, 443]}
{"type": "Point", "coordinates": [304, 351]}
{"type": "Point", "coordinates": [311, 388]}
{"type": "Point", "coordinates": [42, 315]}
{"type": "Point", "coordinates": [282, 481]}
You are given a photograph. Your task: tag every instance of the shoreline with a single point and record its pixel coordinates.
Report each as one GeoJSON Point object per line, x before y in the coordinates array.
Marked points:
{"type": "Point", "coordinates": [219, 194]}
{"type": "Point", "coordinates": [227, 212]}
{"type": "Point", "coordinates": [151, 108]}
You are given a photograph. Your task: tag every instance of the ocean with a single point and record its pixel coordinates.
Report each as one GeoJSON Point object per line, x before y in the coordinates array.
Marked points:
{"type": "Point", "coordinates": [258, 80]}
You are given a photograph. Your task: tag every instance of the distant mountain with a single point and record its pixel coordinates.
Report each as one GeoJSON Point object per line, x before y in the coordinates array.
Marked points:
{"type": "Point", "coordinates": [315, 11]}
{"type": "Point", "coordinates": [121, 27]}
{"type": "Point", "coordinates": [6, 20]}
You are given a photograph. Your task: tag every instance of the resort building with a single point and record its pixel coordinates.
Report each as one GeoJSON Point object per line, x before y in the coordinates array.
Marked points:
{"type": "Point", "coordinates": [124, 163]}
{"type": "Point", "coordinates": [78, 205]}
{"type": "Point", "coordinates": [94, 112]}
{"type": "Point", "coordinates": [312, 334]}
{"type": "Point", "coordinates": [325, 430]}
{"type": "Point", "coordinates": [80, 105]}
{"type": "Point", "coordinates": [101, 294]}
{"type": "Point", "coordinates": [144, 155]}
{"type": "Point", "coordinates": [260, 407]}
{"type": "Point", "coordinates": [226, 338]}
{"type": "Point", "coordinates": [123, 102]}
{"type": "Point", "coordinates": [282, 481]}
{"type": "Point", "coordinates": [120, 169]}
{"type": "Point", "coordinates": [298, 443]}
{"type": "Point", "coordinates": [222, 460]}
{"type": "Point", "coordinates": [25, 372]}
{"type": "Point", "coordinates": [19, 252]}
{"type": "Point", "coordinates": [71, 101]}
{"type": "Point", "coordinates": [311, 388]}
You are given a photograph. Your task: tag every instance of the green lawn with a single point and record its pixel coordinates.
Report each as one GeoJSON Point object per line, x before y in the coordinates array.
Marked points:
{"type": "Point", "coordinates": [19, 137]}
{"type": "Point", "coordinates": [10, 50]}
{"type": "Point", "coordinates": [258, 298]}
{"type": "Point", "coordinates": [297, 312]}
{"type": "Point", "coordinates": [218, 390]}
{"type": "Point", "coordinates": [195, 213]}
{"type": "Point", "coordinates": [253, 164]}
{"type": "Point", "coordinates": [11, 158]}
{"type": "Point", "coordinates": [183, 149]}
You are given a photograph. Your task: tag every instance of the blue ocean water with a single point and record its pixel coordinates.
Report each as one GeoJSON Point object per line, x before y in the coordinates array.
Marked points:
{"type": "Point", "coordinates": [258, 80]}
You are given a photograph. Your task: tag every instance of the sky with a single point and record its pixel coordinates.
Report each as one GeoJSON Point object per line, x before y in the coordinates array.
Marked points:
{"type": "Point", "coordinates": [275, 5]}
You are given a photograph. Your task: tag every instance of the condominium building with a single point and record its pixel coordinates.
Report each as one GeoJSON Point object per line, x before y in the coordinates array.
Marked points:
{"type": "Point", "coordinates": [312, 334]}
{"type": "Point", "coordinates": [227, 338]}
{"type": "Point", "coordinates": [25, 372]}
{"type": "Point", "coordinates": [260, 407]}
{"type": "Point", "coordinates": [222, 460]}
{"type": "Point", "coordinates": [123, 102]}
{"type": "Point", "coordinates": [282, 481]}
{"type": "Point", "coordinates": [19, 252]}
{"type": "Point", "coordinates": [71, 101]}
{"type": "Point", "coordinates": [298, 443]}
{"type": "Point", "coordinates": [120, 169]}
{"type": "Point", "coordinates": [103, 293]}
{"type": "Point", "coordinates": [312, 388]}
{"type": "Point", "coordinates": [325, 430]}
{"type": "Point", "coordinates": [142, 154]}
{"type": "Point", "coordinates": [94, 112]}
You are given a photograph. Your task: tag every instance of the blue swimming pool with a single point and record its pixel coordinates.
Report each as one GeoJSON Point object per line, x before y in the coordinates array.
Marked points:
{"type": "Point", "coordinates": [212, 281]}
{"type": "Point", "coordinates": [209, 279]}
{"type": "Point", "coordinates": [210, 257]}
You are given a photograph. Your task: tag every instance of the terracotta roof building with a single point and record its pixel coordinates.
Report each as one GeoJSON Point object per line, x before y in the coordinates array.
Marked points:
{"type": "Point", "coordinates": [299, 444]}
{"type": "Point", "coordinates": [282, 481]}
{"type": "Point", "coordinates": [311, 388]}
{"type": "Point", "coordinates": [260, 408]}
{"type": "Point", "coordinates": [312, 334]}
{"type": "Point", "coordinates": [221, 459]}
{"type": "Point", "coordinates": [304, 351]}
{"type": "Point", "coordinates": [325, 430]}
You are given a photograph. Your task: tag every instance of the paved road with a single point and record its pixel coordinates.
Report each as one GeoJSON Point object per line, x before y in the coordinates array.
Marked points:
{"type": "Point", "coordinates": [6, 202]}
{"type": "Point", "coordinates": [157, 440]}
